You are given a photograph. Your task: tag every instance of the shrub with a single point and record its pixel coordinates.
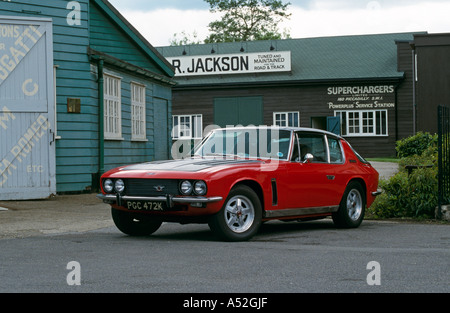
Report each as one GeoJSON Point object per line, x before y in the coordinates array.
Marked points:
{"type": "Point", "coordinates": [406, 195]}
{"type": "Point", "coordinates": [392, 203]}
{"type": "Point", "coordinates": [415, 145]}
{"type": "Point", "coordinates": [414, 195]}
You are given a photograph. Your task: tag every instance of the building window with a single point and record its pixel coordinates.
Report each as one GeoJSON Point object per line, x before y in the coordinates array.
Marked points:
{"type": "Point", "coordinates": [112, 107]}
{"type": "Point", "coordinates": [138, 125]}
{"type": "Point", "coordinates": [187, 126]}
{"type": "Point", "coordinates": [290, 119]}
{"type": "Point", "coordinates": [363, 123]}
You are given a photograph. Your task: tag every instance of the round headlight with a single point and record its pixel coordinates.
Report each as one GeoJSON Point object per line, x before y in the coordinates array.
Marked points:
{"type": "Point", "coordinates": [119, 186]}
{"type": "Point", "coordinates": [186, 187]}
{"type": "Point", "coordinates": [108, 185]}
{"type": "Point", "coordinates": [200, 188]}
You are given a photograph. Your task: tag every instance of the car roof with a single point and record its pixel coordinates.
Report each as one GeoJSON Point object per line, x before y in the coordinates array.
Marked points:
{"type": "Point", "coordinates": [295, 129]}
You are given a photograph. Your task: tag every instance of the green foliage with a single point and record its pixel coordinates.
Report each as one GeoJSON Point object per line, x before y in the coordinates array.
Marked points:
{"type": "Point", "coordinates": [246, 20]}
{"type": "Point", "coordinates": [184, 39]}
{"type": "Point", "coordinates": [414, 195]}
{"type": "Point", "coordinates": [415, 145]}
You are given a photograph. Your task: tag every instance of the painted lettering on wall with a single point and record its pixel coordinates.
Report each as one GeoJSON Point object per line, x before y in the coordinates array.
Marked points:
{"type": "Point", "coordinates": [22, 44]}
{"type": "Point", "coordinates": [231, 63]}
{"type": "Point", "coordinates": [30, 91]}
{"type": "Point", "coordinates": [5, 116]}
{"type": "Point", "coordinates": [23, 148]}
{"type": "Point", "coordinates": [361, 97]}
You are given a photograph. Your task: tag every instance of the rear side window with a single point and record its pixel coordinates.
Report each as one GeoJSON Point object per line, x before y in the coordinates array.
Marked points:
{"type": "Point", "coordinates": [334, 146]}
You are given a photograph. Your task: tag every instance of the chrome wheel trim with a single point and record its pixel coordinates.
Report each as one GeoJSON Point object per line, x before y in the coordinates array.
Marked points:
{"type": "Point", "coordinates": [354, 204]}
{"type": "Point", "coordinates": [239, 214]}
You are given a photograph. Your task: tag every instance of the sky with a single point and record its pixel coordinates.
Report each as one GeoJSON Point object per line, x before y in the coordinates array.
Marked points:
{"type": "Point", "coordinates": [158, 20]}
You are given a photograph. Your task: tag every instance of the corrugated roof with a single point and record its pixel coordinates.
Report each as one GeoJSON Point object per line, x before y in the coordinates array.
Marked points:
{"type": "Point", "coordinates": [355, 57]}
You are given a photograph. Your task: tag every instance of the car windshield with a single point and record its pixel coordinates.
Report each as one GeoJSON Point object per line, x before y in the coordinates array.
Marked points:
{"type": "Point", "coordinates": [262, 143]}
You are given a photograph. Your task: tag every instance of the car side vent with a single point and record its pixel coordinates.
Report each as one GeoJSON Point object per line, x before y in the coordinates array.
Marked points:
{"type": "Point", "coordinates": [274, 192]}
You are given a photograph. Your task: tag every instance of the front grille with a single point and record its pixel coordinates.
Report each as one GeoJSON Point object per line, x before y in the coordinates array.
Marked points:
{"type": "Point", "coordinates": [151, 187]}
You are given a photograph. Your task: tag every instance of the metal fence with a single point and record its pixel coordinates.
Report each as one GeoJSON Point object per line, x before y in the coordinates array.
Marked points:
{"type": "Point", "coordinates": [444, 157]}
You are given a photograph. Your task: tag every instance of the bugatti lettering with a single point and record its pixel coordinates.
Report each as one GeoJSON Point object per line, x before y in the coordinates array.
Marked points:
{"type": "Point", "coordinates": [17, 52]}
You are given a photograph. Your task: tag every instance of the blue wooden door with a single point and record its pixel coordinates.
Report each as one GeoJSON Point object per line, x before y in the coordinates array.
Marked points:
{"type": "Point", "coordinates": [27, 116]}
{"type": "Point", "coordinates": [334, 124]}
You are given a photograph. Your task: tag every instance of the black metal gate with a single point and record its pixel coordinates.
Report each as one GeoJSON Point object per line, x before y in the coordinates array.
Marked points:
{"type": "Point", "coordinates": [444, 157]}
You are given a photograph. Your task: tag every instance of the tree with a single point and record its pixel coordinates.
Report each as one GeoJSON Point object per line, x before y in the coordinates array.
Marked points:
{"type": "Point", "coordinates": [186, 39]}
{"type": "Point", "coordinates": [246, 20]}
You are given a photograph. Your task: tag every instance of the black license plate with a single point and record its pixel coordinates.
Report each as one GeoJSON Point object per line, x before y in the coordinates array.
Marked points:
{"type": "Point", "coordinates": [146, 205]}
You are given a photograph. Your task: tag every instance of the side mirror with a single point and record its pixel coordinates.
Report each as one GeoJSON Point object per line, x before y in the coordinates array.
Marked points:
{"type": "Point", "coordinates": [308, 158]}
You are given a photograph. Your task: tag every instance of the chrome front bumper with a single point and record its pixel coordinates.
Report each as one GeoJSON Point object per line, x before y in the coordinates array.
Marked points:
{"type": "Point", "coordinates": [376, 193]}
{"type": "Point", "coordinates": [169, 200]}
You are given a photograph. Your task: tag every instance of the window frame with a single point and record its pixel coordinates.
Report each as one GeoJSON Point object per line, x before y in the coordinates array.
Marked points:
{"type": "Point", "coordinates": [112, 102]}
{"type": "Point", "coordinates": [195, 130]}
{"type": "Point", "coordinates": [286, 118]}
{"type": "Point", "coordinates": [321, 136]}
{"type": "Point", "coordinates": [357, 123]}
{"type": "Point", "coordinates": [138, 133]}
{"type": "Point", "coordinates": [326, 141]}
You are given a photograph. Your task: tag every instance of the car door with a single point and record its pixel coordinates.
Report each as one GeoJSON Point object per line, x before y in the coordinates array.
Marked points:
{"type": "Point", "coordinates": [313, 182]}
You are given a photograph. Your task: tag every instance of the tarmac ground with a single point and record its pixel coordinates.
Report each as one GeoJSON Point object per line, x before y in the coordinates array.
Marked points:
{"type": "Point", "coordinates": [76, 213]}
{"type": "Point", "coordinates": [58, 214]}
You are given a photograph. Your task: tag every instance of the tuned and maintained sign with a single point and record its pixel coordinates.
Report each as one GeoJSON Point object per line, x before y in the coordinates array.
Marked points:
{"type": "Point", "coordinates": [27, 117]}
{"type": "Point", "coordinates": [242, 63]}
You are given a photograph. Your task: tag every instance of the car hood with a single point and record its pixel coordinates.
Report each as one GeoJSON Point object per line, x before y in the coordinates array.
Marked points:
{"type": "Point", "coordinates": [187, 165]}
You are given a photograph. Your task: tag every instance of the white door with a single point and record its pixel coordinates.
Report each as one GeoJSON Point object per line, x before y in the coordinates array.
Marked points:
{"type": "Point", "coordinates": [27, 116]}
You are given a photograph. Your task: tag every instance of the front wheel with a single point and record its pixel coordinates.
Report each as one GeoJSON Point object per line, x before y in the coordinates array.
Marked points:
{"type": "Point", "coordinates": [133, 224]}
{"type": "Point", "coordinates": [352, 207]}
{"type": "Point", "coordinates": [240, 217]}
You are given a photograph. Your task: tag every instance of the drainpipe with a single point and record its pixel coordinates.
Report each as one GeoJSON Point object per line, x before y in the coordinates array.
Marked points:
{"type": "Point", "coordinates": [414, 74]}
{"type": "Point", "coordinates": [101, 129]}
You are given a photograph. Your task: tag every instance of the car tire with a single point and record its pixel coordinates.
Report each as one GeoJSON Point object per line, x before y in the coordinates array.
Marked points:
{"type": "Point", "coordinates": [240, 217]}
{"type": "Point", "coordinates": [352, 207]}
{"type": "Point", "coordinates": [130, 224]}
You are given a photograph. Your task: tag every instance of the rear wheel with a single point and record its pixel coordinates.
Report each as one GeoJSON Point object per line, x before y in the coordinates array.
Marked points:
{"type": "Point", "coordinates": [133, 224]}
{"type": "Point", "coordinates": [240, 217]}
{"type": "Point", "coordinates": [352, 207]}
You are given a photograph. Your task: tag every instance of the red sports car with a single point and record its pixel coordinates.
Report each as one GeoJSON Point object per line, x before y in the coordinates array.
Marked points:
{"type": "Point", "coordinates": [237, 178]}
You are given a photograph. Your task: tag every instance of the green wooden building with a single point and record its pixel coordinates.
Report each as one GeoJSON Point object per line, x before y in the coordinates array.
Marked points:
{"type": "Point", "coordinates": [106, 101]}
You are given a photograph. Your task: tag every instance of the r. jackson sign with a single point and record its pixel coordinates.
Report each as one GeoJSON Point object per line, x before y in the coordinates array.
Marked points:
{"type": "Point", "coordinates": [232, 63]}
